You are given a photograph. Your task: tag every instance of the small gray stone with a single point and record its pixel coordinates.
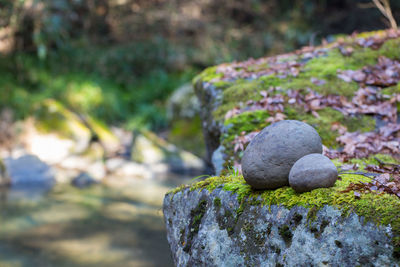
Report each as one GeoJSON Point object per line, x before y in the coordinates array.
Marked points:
{"type": "Point", "coordinates": [268, 158]}
{"type": "Point", "coordinates": [83, 180]}
{"type": "Point", "coordinates": [311, 172]}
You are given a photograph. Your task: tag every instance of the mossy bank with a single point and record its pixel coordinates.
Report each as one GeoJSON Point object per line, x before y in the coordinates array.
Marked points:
{"type": "Point", "coordinates": [227, 87]}
{"type": "Point", "coordinates": [223, 221]}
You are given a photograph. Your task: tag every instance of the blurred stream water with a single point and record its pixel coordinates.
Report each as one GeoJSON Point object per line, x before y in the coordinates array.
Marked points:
{"type": "Point", "coordinates": [118, 224]}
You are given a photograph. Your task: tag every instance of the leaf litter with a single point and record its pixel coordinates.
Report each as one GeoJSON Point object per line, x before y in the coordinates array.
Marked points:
{"type": "Point", "coordinates": [367, 100]}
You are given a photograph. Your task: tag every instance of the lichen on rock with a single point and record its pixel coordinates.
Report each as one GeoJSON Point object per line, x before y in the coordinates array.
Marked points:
{"type": "Point", "coordinates": [222, 221]}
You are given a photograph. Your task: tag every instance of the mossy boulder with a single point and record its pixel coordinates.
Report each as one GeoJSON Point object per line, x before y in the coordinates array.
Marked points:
{"type": "Point", "coordinates": [223, 88]}
{"type": "Point", "coordinates": [223, 221]}
{"type": "Point", "coordinates": [183, 110]}
{"type": "Point", "coordinates": [155, 152]}
{"type": "Point", "coordinates": [53, 117]}
{"type": "Point", "coordinates": [67, 132]}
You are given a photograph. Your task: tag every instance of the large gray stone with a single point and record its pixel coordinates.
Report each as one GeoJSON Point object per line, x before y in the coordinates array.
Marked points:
{"type": "Point", "coordinates": [29, 170]}
{"type": "Point", "coordinates": [205, 229]}
{"type": "Point", "coordinates": [312, 171]}
{"type": "Point", "coordinates": [268, 158]}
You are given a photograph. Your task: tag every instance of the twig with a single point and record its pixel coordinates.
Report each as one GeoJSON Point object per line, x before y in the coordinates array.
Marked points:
{"type": "Point", "coordinates": [384, 8]}
{"type": "Point", "coordinates": [371, 176]}
{"type": "Point", "coordinates": [382, 163]}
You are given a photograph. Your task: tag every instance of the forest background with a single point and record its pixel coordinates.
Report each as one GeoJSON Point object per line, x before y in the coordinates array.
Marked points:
{"type": "Point", "coordinates": [119, 60]}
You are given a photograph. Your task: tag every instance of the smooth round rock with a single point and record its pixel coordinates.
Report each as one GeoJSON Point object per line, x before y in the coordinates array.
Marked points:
{"type": "Point", "coordinates": [268, 158]}
{"type": "Point", "coordinates": [311, 172]}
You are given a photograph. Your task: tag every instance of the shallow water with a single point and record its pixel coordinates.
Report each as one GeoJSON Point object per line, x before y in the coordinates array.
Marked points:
{"type": "Point", "coordinates": [116, 225]}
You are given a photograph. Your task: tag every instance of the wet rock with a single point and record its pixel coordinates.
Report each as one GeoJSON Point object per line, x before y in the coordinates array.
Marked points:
{"type": "Point", "coordinates": [97, 170]}
{"type": "Point", "coordinates": [183, 103]}
{"type": "Point", "coordinates": [83, 180]}
{"type": "Point", "coordinates": [312, 171]}
{"type": "Point", "coordinates": [218, 159]}
{"type": "Point", "coordinates": [124, 168]}
{"type": "Point", "coordinates": [151, 150]}
{"type": "Point", "coordinates": [267, 160]}
{"type": "Point", "coordinates": [29, 170]}
{"type": "Point", "coordinates": [109, 141]}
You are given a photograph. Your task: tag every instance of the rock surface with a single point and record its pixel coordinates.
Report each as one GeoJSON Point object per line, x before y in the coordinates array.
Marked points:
{"type": "Point", "coordinates": [268, 158]}
{"type": "Point", "coordinates": [209, 225]}
{"type": "Point", "coordinates": [312, 171]}
{"type": "Point", "coordinates": [240, 98]}
{"type": "Point", "coordinates": [208, 230]}
{"type": "Point", "coordinates": [183, 103]}
{"type": "Point", "coordinates": [210, 99]}
{"type": "Point", "coordinates": [29, 170]}
{"type": "Point", "coordinates": [149, 149]}
{"type": "Point", "coordinates": [83, 180]}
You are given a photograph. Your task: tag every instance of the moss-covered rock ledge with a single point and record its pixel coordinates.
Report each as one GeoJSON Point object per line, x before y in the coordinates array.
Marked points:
{"type": "Point", "coordinates": [349, 90]}
{"type": "Point", "coordinates": [221, 221]}
{"type": "Point", "coordinates": [240, 98]}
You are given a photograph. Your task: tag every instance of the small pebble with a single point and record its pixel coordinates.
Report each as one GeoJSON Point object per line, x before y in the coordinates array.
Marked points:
{"type": "Point", "coordinates": [312, 171]}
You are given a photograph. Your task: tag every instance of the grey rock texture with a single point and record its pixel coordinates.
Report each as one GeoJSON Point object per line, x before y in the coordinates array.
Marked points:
{"type": "Point", "coordinates": [268, 158]}
{"type": "Point", "coordinates": [218, 160]}
{"type": "Point", "coordinates": [312, 171]}
{"type": "Point", "coordinates": [210, 99]}
{"type": "Point", "coordinates": [205, 229]}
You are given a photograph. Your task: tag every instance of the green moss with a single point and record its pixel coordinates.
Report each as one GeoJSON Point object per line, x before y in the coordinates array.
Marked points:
{"type": "Point", "coordinates": [208, 75]}
{"type": "Point", "coordinates": [54, 116]}
{"type": "Point", "coordinates": [329, 116]}
{"type": "Point", "coordinates": [222, 84]}
{"type": "Point", "coordinates": [323, 67]}
{"type": "Point", "coordinates": [242, 90]}
{"type": "Point", "coordinates": [367, 56]}
{"type": "Point", "coordinates": [371, 160]}
{"type": "Point", "coordinates": [391, 90]}
{"type": "Point", "coordinates": [250, 89]}
{"type": "Point", "coordinates": [256, 120]}
{"type": "Point", "coordinates": [379, 208]}
{"type": "Point", "coordinates": [217, 202]}
{"type": "Point", "coordinates": [196, 215]}
{"type": "Point", "coordinates": [187, 134]}
{"type": "Point", "coordinates": [247, 121]}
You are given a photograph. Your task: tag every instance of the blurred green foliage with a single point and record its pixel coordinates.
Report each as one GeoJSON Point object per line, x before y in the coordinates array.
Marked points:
{"type": "Point", "coordinates": [120, 60]}
{"type": "Point", "coordinates": [138, 102]}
